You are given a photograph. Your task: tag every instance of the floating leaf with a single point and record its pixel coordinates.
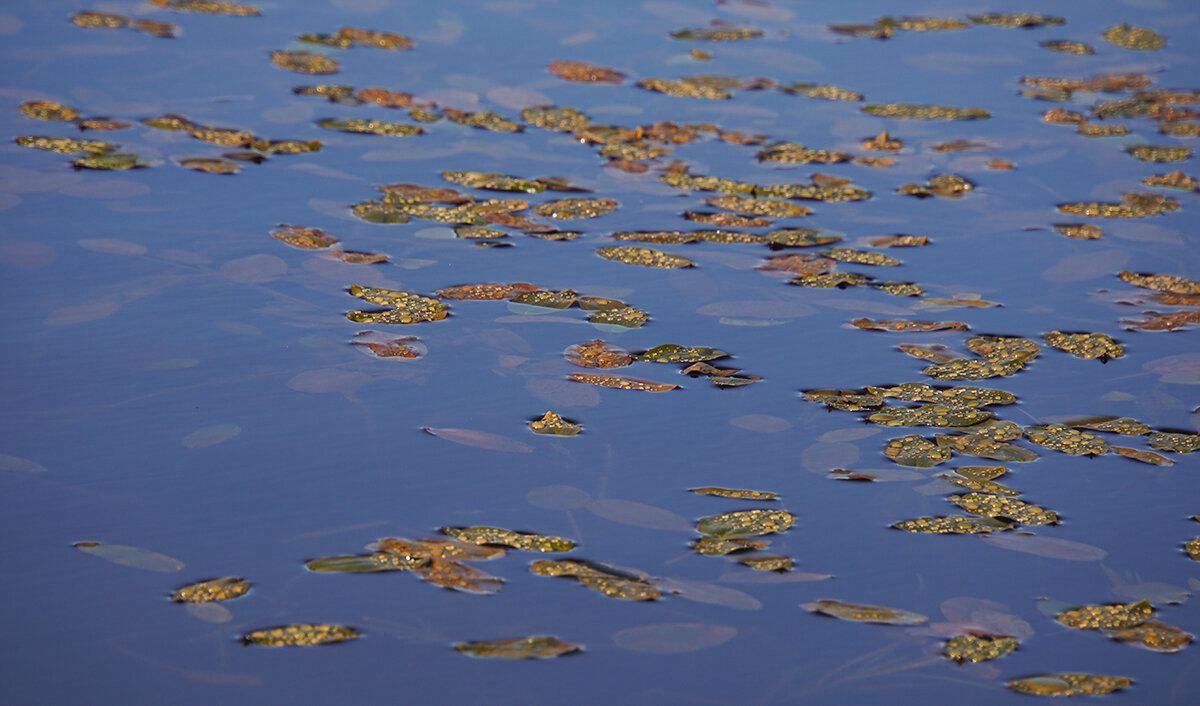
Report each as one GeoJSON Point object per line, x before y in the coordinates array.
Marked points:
{"type": "Point", "coordinates": [860, 257]}
{"type": "Point", "coordinates": [208, 7]}
{"type": "Point", "coordinates": [620, 382]}
{"type": "Point", "coordinates": [1123, 425]}
{"type": "Point", "coordinates": [684, 88]}
{"type": "Point", "coordinates": [671, 353]}
{"type": "Point", "coordinates": [793, 153]}
{"type": "Point", "coordinates": [1153, 636]}
{"type": "Point", "coordinates": [347, 37]}
{"type": "Point", "coordinates": [1130, 37]}
{"type": "Point", "coordinates": [957, 396]}
{"type": "Point", "coordinates": [1088, 346]}
{"type": "Point", "coordinates": [912, 111]}
{"type": "Point", "coordinates": [907, 325]}
{"type": "Point", "coordinates": [831, 280]}
{"type": "Point", "coordinates": [736, 494]}
{"type": "Point", "coordinates": [305, 62]}
{"type": "Point", "coordinates": [365, 563]}
{"type": "Point", "coordinates": [370, 127]}
{"type": "Point", "coordinates": [1068, 684]}
{"type": "Point", "coordinates": [524, 541]}
{"type": "Point", "coordinates": [1112, 617]}
{"type": "Point", "coordinates": [483, 121]}
{"type": "Point", "coordinates": [948, 185]}
{"type": "Point", "coordinates": [711, 546]}
{"type": "Point", "coordinates": [823, 91]}
{"type": "Point", "coordinates": [214, 590]}
{"type": "Point", "coordinates": [930, 415]}
{"type": "Point", "coordinates": [746, 523]}
{"type": "Point", "coordinates": [1158, 153]}
{"type": "Point", "coordinates": [1067, 440]}
{"type": "Point", "coordinates": [916, 451]}
{"type": "Point", "coordinates": [210, 165]}
{"type": "Point", "coordinates": [863, 613]}
{"type": "Point", "coordinates": [1067, 47]}
{"type": "Point", "coordinates": [964, 477]}
{"type": "Point", "coordinates": [47, 110]}
{"type": "Point", "coordinates": [597, 354]}
{"type": "Point", "coordinates": [1143, 456]}
{"type": "Point", "coordinates": [66, 145]}
{"type": "Point", "coordinates": [981, 446]}
{"type": "Point", "coordinates": [110, 161]}
{"type": "Point", "coordinates": [300, 635]}
{"type": "Point", "coordinates": [458, 577]}
{"type": "Point", "coordinates": [1080, 231]}
{"type": "Point", "coordinates": [570, 209]}
{"type": "Point", "coordinates": [716, 35]}
{"type": "Point", "coordinates": [551, 423]}
{"type": "Point", "coordinates": [555, 119]}
{"type": "Point", "coordinates": [435, 549]}
{"type": "Point", "coordinates": [899, 289]}
{"type": "Point", "coordinates": [972, 648]}
{"type": "Point", "coordinates": [953, 525]}
{"type": "Point", "coordinates": [547, 298]}
{"type": "Point", "coordinates": [536, 647]}
{"type": "Point", "coordinates": [134, 557]}
{"type": "Point", "coordinates": [727, 220]}
{"type": "Point", "coordinates": [584, 73]}
{"type": "Point", "coordinates": [1175, 441]}
{"type": "Point", "coordinates": [626, 316]}
{"type": "Point", "coordinates": [303, 238]}
{"type": "Point", "coordinates": [1049, 547]}
{"type": "Point", "coordinates": [479, 439]}
{"type": "Point", "coordinates": [598, 579]}
{"type": "Point", "coordinates": [775, 208]}
{"type": "Point", "coordinates": [848, 400]}
{"type": "Point", "coordinates": [1173, 180]}
{"type": "Point", "coordinates": [1006, 508]}
{"type": "Point", "coordinates": [645, 257]}
{"type": "Point", "coordinates": [1161, 283]}
{"type": "Point", "coordinates": [768, 563]}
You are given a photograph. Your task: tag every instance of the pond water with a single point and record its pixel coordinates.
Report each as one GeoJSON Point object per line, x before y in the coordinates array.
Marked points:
{"type": "Point", "coordinates": [181, 388]}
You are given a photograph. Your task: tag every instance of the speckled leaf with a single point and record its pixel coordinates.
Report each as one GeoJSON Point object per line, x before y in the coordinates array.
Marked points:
{"type": "Point", "coordinates": [646, 257]}
{"type": "Point", "coordinates": [768, 562]}
{"type": "Point", "coordinates": [746, 523]}
{"type": "Point", "coordinates": [1085, 345]}
{"type": "Point", "coordinates": [435, 549]}
{"type": "Point", "coordinates": [370, 127]}
{"type": "Point", "coordinates": [209, 7]}
{"type": "Point", "coordinates": [525, 541]}
{"type": "Point", "coordinates": [597, 354]}
{"type": "Point", "coordinates": [953, 525]}
{"type": "Point", "coordinates": [1067, 440]}
{"type": "Point", "coordinates": [723, 34]}
{"type": "Point", "coordinates": [736, 494]}
{"type": "Point", "coordinates": [548, 299]}
{"type": "Point", "coordinates": [830, 280]}
{"type": "Point", "coordinates": [726, 220]}
{"type": "Point", "coordinates": [959, 396]}
{"type": "Point", "coordinates": [793, 153]}
{"type": "Point", "coordinates": [1067, 47]}
{"type": "Point", "coordinates": [47, 110]}
{"type": "Point", "coordinates": [1112, 617]}
{"type": "Point", "coordinates": [863, 613]}
{"type": "Point", "coordinates": [570, 209]}
{"type": "Point", "coordinates": [972, 648]}
{"type": "Point", "coordinates": [993, 429]}
{"type": "Point", "coordinates": [1175, 441]}
{"type": "Point", "coordinates": [213, 590]}
{"type": "Point", "coordinates": [1008, 20]}
{"type": "Point", "coordinates": [930, 415]}
{"type": "Point", "coordinates": [626, 317]}
{"type": "Point", "coordinates": [66, 145]}
{"type": "Point", "coordinates": [1153, 636]}
{"type": "Point", "coordinates": [1161, 283]}
{"type": "Point", "coordinates": [848, 400]}
{"type": "Point", "coordinates": [551, 423]}
{"type": "Point", "coordinates": [1068, 684]}
{"type": "Point", "coordinates": [912, 111]}
{"type": "Point", "coordinates": [620, 382]}
{"type": "Point", "coordinates": [672, 353]}
{"type": "Point", "coordinates": [962, 477]}
{"type": "Point", "coordinates": [1130, 37]}
{"type": "Point", "coordinates": [860, 257]}
{"type": "Point", "coordinates": [110, 161]}
{"type": "Point", "coordinates": [1115, 425]}
{"type": "Point", "coordinates": [1017, 511]}
{"type": "Point", "coordinates": [556, 119]}
{"type": "Point", "coordinates": [303, 238]}
{"type": "Point", "coordinates": [536, 647]}
{"type": "Point", "coordinates": [800, 238]}
{"type": "Point", "coordinates": [211, 165]}
{"type": "Point", "coordinates": [305, 62]}
{"type": "Point", "coordinates": [907, 325]}
{"type": "Point", "coordinates": [300, 635]}
{"type": "Point", "coordinates": [981, 446]}
{"type": "Point", "coordinates": [365, 563]}
{"type": "Point", "coordinates": [493, 181]}
{"type": "Point", "coordinates": [775, 208]}
{"type": "Point", "coordinates": [598, 579]}
{"type": "Point", "coordinates": [915, 451]}
{"type": "Point", "coordinates": [347, 37]}
{"type": "Point", "coordinates": [483, 121]}
{"type": "Point", "coordinates": [712, 546]}
{"type": "Point", "coordinates": [584, 73]}
{"type": "Point", "coordinates": [822, 90]}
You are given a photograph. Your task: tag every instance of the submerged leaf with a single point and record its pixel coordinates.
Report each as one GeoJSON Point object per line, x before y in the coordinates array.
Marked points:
{"type": "Point", "coordinates": [479, 439]}
{"type": "Point", "coordinates": [536, 647]}
{"type": "Point", "coordinates": [134, 557]}
{"type": "Point", "coordinates": [1143, 456]}
{"type": "Point", "coordinates": [300, 635]}
{"type": "Point", "coordinates": [863, 613]}
{"type": "Point", "coordinates": [1068, 684]}
{"type": "Point", "coordinates": [1049, 547]}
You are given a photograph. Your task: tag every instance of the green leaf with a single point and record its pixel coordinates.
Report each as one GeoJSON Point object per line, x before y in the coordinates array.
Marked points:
{"type": "Point", "coordinates": [671, 353]}
{"type": "Point", "coordinates": [929, 415]}
{"type": "Point", "coordinates": [1111, 617]}
{"type": "Point", "coordinates": [525, 541]}
{"type": "Point", "coordinates": [1067, 440]}
{"type": "Point", "coordinates": [1068, 684]}
{"type": "Point", "coordinates": [1088, 346]}
{"type": "Point", "coordinates": [915, 451]}
{"type": "Point", "coordinates": [214, 590]}
{"type": "Point", "coordinates": [953, 525]}
{"type": "Point", "coordinates": [972, 648]}
{"type": "Point", "coordinates": [1175, 441]}
{"type": "Point", "coordinates": [645, 257]}
{"type": "Point", "coordinates": [989, 505]}
{"type": "Point", "coordinates": [981, 446]}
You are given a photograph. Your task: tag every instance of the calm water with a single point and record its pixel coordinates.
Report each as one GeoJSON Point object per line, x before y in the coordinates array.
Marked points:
{"type": "Point", "coordinates": [179, 381]}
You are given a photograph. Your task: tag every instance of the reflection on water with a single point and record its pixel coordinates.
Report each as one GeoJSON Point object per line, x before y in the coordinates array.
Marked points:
{"type": "Point", "coordinates": [867, 214]}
